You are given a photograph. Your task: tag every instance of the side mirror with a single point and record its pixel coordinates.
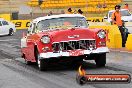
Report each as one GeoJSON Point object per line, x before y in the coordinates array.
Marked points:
{"type": "Point", "coordinates": [105, 17]}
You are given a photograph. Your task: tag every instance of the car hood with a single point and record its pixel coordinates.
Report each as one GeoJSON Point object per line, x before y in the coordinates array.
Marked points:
{"type": "Point", "coordinates": [126, 18]}
{"type": "Point", "coordinates": [71, 34]}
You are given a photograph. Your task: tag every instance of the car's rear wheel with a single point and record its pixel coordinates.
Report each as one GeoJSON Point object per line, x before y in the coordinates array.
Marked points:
{"type": "Point", "coordinates": [100, 60]}
{"type": "Point", "coordinates": [42, 65]}
{"type": "Point", "coordinates": [11, 32]}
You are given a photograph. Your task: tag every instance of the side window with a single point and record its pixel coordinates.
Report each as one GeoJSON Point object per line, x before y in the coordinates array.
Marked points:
{"type": "Point", "coordinates": [0, 23]}
{"type": "Point", "coordinates": [43, 25]}
{"type": "Point", "coordinates": [30, 29]}
{"type": "Point", "coordinates": [5, 23]}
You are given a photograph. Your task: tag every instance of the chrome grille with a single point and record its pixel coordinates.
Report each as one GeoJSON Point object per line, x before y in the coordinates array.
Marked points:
{"type": "Point", "coordinates": [73, 45]}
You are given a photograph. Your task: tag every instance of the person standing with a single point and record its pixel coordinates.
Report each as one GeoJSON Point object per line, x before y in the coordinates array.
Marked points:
{"type": "Point", "coordinates": [69, 11]}
{"type": "Point", "coordinates": [50, 13]}
{"type": "Point", "coordinates": [116, 19]}
{"type": "Point", "coordinates": [80, 11]}
{"type": "Point", "coordinates": [104, 5]}
{"type": "Point", "coordinates": [40, 2]}
{"type": "Point", "coordinates": [126, 6]}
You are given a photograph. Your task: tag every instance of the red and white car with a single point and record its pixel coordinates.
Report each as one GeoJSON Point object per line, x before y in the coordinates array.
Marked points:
{"type": "Point", "coordinates": [63, 37]}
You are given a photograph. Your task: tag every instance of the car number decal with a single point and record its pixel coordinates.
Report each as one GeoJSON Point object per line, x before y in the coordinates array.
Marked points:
{"type": "Point", "coordinates": [76, 53]}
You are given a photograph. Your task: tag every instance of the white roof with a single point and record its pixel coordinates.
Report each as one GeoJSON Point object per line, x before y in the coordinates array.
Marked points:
{"type": "Point", "coordinates": [120, 10]}
{"type": "Point", "coordinates": [56, 16]}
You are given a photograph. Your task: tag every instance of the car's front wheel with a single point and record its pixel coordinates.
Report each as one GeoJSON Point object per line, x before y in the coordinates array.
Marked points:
{"type": "Point", "coordinates": [11, 32]}
{"type": "Point", "coordinates": [42, 65]}
{"type": "Point", "coordinates": [100, 60]}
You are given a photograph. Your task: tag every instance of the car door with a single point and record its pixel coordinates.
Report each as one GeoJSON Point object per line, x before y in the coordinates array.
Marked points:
{"type": "Point", "coordinates": [1, 28]}
{"type": "Point", "coordinates": [6, 27]}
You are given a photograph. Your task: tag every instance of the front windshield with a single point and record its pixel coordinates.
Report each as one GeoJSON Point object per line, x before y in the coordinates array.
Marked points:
{"type": "Point", "coordinates": [123, 13]}
{"type": "Point", "coordinates": [62, 23]}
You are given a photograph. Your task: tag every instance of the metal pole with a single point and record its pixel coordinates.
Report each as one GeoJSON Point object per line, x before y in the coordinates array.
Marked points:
{"type": "Point", "coordinates": [10, 9]}
{"type": "Point", "coordinates": [87, 8]}
{"type": "Point", "coordinates": [32, 14]}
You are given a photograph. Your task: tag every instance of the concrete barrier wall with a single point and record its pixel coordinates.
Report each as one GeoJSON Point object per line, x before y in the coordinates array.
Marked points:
{"type": "Point", "coordinates": [6, 16]}
{"type": "Point", "coordinates": [95, 19]}
{"type": "Point", "coordinates": [21, 24]}
{"type": "Point", "coordinates": [129, 42]}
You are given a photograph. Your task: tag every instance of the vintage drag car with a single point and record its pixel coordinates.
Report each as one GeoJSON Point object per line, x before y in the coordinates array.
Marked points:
{"type": "Point", "coordinates": [6, 28]}
{"type": "Point", "coordinates": [63, 37]}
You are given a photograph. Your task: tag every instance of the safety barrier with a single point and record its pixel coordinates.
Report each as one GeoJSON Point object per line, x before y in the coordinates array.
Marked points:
{"type": "Point", "coordinates": [129, 42]}
{"type": "Point", "coordinates": [114, 37]}
{"type": "Point", "coordinates": [95, 19]}
{"type": "Point", "coordinates": [6, 16]}
{"type": "Point", "coordinates": [21, 24]}
{"type": "Point", "coordinates": [99, 23]}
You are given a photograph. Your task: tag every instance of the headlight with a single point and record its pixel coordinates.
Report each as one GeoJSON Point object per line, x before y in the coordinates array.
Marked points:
{"type": "Point", "coordinates": [101, 34]}
{"type": "Point", "coordinates": [45, 39]}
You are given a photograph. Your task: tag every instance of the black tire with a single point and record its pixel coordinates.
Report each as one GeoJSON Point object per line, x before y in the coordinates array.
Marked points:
{"type": "Point", "coordinates": [28, 62]}
{"type": "Point", "coordinates": [42, 65]}
{"type": "Point", "coordinates": [100, 60]}
{"type": "Point", "coordinates": [11, 32]}
{"type": "Point", "coordinates": [77, 62]}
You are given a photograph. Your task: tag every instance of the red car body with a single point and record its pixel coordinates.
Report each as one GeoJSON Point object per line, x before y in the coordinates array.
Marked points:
{"type": "Point", "coordinates": [72, 42]}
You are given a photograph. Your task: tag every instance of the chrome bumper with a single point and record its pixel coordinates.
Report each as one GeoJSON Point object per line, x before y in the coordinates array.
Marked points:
{"type": "Point", "coordinates": [67, 54]}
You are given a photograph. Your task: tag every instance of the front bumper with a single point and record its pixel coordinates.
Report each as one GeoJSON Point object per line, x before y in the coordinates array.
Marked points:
{"type": "Point", "coordinates": [75, 53]}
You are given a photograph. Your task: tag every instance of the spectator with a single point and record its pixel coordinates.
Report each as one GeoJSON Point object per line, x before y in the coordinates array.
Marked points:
{"type": "Point", "coordinates": [69, 11]}
{"type": "Point", "coordinates": [104, 5]}
{"type": "Point", "coordinates": [99, 5]}
{"type": "Point", "coordinates": [50, 13]}
{"type": "Point", "coordinates": [116, 19]}
{"type": "Point", "coordinates": [126, 6]}
{"type": "Point", "coordinates": [80, 11]}
{"type": "Point", "coordinates": [75, 12]}
{"type": "Point", "coordinates": [40, 2]}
